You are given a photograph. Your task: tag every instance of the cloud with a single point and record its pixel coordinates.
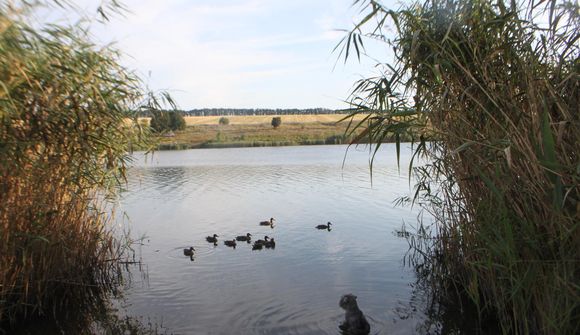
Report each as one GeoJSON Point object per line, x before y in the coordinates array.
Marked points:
{"type": "Point", "coordinates": [237, 53]}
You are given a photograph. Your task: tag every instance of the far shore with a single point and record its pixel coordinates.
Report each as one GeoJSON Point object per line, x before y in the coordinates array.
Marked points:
{"type": "Point", "coordinates": [257, 131]}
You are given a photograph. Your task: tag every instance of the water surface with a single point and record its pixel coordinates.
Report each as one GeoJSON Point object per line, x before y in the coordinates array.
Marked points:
{"type": "Point", "coordinates": [176, 198]}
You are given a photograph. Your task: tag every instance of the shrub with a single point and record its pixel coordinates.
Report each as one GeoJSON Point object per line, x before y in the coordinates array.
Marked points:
{"type": "Point", "coordinates": [176, 121]}
{"type": "Point", "coordinates": [224, 121]}
{"type": "Point", "coordinates": [162, 121]}
{"type": "Point", "coordinates": [276, 121]}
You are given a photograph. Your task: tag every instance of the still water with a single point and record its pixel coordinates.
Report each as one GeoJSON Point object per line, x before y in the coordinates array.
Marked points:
{"type": "Point", "coordinates": [177, 198]}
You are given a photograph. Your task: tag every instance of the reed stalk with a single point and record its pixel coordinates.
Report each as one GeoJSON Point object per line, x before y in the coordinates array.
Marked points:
{"type": "Point", "coordinates": [493, 88]}
{"type": "Point", "coordinates": [64, 147]}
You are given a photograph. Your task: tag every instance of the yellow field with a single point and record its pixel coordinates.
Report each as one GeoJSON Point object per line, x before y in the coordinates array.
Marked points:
{"type": "Point", "coordinates": [264, 119]}
{"type": "Point", "coordinates": [261, 119]}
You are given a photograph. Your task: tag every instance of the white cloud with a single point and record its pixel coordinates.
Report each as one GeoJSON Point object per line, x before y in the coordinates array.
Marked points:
{"type": "Point", "coordinates": [236, 53]}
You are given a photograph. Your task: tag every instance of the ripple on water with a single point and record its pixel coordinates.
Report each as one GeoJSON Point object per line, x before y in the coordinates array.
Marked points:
{"type": "Point", "coordinates": [293, 289]}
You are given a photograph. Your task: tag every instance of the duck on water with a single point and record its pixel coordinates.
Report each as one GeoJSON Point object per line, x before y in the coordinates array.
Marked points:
{"type": "Point", "coordinates": [231, 243]}
{"type": "Point", "coordinates": [212, 239]}
{"type": "Point", "coordinates": [247, 237]}
{"type": "Point", "coordinates": [188, 252]}
{"type": "Point", "coordinates": [268, 223]}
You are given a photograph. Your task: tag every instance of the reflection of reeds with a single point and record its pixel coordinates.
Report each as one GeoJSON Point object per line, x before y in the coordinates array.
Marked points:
{"type": "Point", "coordinates": [498, 97]}
{"type": "Point", "coordinates": [63, 145]}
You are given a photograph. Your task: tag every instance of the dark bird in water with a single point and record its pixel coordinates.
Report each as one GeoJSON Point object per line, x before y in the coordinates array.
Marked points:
{"type": "Point", "coordinates": [231, 243]}
{"type": "Point", "coordinates": [324, 226]}
{"type": "Point", "coordinates": [188, 252]}
{"type": "Point", "coordinates": [212, 239]}
{"type": "Point", "coordinates": [257, 246]}
{"type": "Point", "coordinates": [246, 237]}
{"type": "Point", "coordinates": [268, 223]}
{"type": "Point", "coordinates": [270, 244]}
{"type": "Point", "coordinates": [261, 242]}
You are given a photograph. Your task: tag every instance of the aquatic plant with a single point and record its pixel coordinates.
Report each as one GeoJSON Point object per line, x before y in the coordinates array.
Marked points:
{"type": "Point", "coordinates": [65, 106]}
{"type": "Point", "coordinates": [489, 91]}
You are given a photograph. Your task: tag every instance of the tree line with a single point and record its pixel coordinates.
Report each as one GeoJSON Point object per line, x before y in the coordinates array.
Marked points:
{"type": "Point", "coordinates": [253, 111]}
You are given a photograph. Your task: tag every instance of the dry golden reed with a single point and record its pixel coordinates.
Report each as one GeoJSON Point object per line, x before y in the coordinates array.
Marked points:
{"type": "Point", "coordinates": [493, 88]}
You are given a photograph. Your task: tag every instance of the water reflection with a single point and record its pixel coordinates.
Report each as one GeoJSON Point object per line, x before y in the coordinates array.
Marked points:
{"type": "Point", "coordinates": [179, 198]}
{"type": "Point", "coordinates": [199, 199]}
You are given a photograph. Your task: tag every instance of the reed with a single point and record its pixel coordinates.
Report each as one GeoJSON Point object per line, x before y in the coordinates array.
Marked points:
{"type": "Point", "coordinates": [494, 90]}
{"type": "Point", "coordinates": [64, 144]}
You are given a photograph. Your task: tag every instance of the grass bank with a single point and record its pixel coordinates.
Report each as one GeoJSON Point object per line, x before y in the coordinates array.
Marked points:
{"type": "Point", "coordinates": [251, 135]}
{"type": "Point", "coordinates": [256, 131]}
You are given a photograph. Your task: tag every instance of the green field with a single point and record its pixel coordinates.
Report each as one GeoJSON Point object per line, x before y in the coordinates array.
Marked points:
{"type": "Point", "coordinates": [252, 131]}
{"type": "Point", "coordinates": [249, 135]}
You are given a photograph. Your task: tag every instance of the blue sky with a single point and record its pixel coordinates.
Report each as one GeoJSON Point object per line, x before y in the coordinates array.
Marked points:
{"type": "Point", "coordinates": [238, 53]}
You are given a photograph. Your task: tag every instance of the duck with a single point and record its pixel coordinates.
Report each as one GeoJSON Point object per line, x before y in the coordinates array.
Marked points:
{"type": "Point", "coordinates": [257, 246]}
{"type": "Point", "coordinates": [246, 237]}
{"type": "Point", "coordinates": [231, 243]}
{"type": "Point", "coordinates": [212, 238]}
{"type": "Point", "coordinates": [261, 242]}
{"type": "Point", "coordinates": [188, 252]}
{"type": "Point", "coordinates": [270, 244]}
{"type": "Point", "coordinates": [324, 226]}
{"type": "Point", "coordinates": [268, 223]}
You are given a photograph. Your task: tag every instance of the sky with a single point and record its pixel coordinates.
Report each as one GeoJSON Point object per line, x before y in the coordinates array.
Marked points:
{"type": "Point", "coordinates": [238, 53]}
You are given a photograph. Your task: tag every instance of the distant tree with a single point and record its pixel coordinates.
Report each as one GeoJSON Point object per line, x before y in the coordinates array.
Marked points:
{"type": "Point", "coordinates": [176, 121]}
{"type": "Point", "coordinates": [224, 121]}
{"type": "Point", "coordinates": [164, 121]}
{"type": "Point", "coordinates": [159, 121]}
{"type": "Point", "coordinates": [276, 121]}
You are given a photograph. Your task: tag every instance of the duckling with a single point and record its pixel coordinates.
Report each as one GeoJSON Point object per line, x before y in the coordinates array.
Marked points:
{"type": "Point", "coordinates": [324, 226]}
{"type": "Point", "coordinates": [188, 252]}
{"type": "Point", "coordinates": [212, 238]}
{"type": "Point", "coordinates": [268, 223]}
{"type": "Point", "coordinates": [261, 242]}
{"type": "Point", "coordinates": [270, 244]}
{"type": "Point", "coordinates": [247, 237]}
{"type": "Point", "coordinates": [231, 243]}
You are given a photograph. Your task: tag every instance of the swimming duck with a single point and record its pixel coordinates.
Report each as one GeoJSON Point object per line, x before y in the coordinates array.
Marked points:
{"type": "Point", "coordinates": [267, 223]}
{"type": "Point", "coordinates": [212, 238]}
{"type": "Point", "coordinates": [246, 237]}
{"type": "Point", "coordinates": [231, 243]}
{"type": "Point", "coordinates": [324, 226]}
{"type": "Point", "coordinates": [188, 252]}
{"type": "Point", "coordinates": [270, 244]}
{"type": "Point", "coordinates": [257, 246]}
{"type": "Point", "coordinates": [261, 242]}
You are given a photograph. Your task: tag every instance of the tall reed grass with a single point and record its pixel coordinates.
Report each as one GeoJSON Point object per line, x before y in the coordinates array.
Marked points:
{"type": "Point", "coordinates": [493, 88]}
{"type": "Point", "coordinates": [64, 149]}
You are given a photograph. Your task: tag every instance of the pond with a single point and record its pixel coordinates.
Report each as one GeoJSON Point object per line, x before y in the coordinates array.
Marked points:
{"type": "Point", "coordinates": [177, 198]}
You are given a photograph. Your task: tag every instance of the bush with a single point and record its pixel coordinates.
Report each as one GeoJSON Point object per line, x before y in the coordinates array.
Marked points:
{"type": "Point", "coordinates": [224, 121]}
{"type": "Point", "coordinates": [162, 121]}
{"type": "Point", "coordinates": [276, 121]}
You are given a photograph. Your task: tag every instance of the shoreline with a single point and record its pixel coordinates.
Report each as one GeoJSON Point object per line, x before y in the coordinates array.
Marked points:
{"type": "Point", "coordinates": [204, 133]}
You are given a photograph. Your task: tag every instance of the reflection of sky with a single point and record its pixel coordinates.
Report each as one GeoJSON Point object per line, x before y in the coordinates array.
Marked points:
{"type": "Point", "coordinates": [181, 197]}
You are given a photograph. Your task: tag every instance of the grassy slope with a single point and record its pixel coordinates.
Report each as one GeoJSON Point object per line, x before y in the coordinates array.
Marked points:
{"type": "Point", "coordinates": [204, 131]}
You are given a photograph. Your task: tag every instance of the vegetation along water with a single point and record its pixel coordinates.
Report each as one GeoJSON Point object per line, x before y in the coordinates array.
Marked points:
{"type": "Point", "coordinates": [64, 146]}
{"type": "Point", "coordinates": [493, 88]}
{"type": "Point", "coordinates": [488, 91]}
